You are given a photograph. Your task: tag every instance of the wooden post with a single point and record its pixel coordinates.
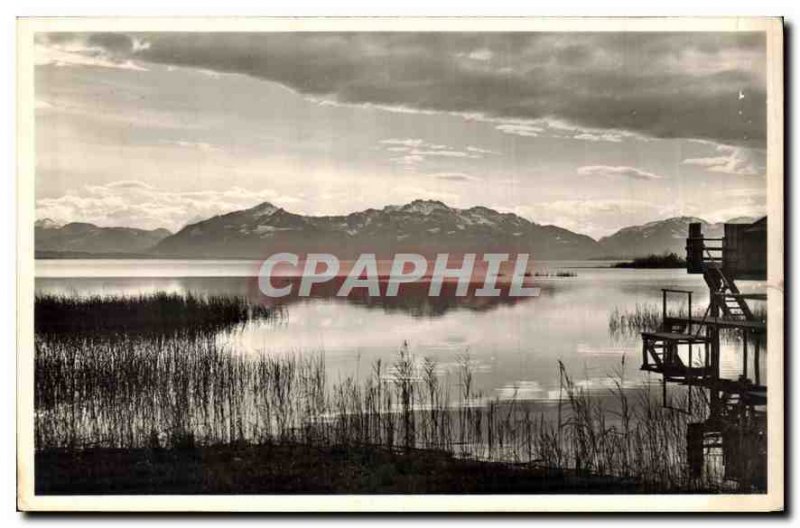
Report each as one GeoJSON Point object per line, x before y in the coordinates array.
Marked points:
{"type": "Point", "coordinates": [744, 359]}
{"type": "Point", "coordinates": [694, 448]}
{"type": "Point", "coordinates": [690, 376]}
{"type": "Point", "coordinates": [713, 331]}
{"type": "Point", "coordinates": [756, 366]}
{"type": "Point", "coordinates": [694, 248]}
{"type": "Point", "coordinates": [731, 249]}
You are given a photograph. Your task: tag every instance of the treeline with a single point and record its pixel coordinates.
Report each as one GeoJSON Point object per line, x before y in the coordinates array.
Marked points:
{"type": "Point", "coordinates": [667, 260]}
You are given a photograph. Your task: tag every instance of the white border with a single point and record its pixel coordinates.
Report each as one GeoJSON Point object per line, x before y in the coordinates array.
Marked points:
{"type": "Point", "coordinates": [507, 503]}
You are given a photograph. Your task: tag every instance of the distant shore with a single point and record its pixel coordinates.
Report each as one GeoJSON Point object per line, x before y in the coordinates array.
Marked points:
{"type": "Point", "coordinates": [83, 255]}
{"type": "Point", "coordinates": [666, 261]}
{"type": "Point", "coordinates": [602, 262]}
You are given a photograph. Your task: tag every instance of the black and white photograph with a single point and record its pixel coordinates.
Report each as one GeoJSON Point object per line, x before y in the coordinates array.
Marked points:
{"type": "Point", "coordinates": [321, 264]}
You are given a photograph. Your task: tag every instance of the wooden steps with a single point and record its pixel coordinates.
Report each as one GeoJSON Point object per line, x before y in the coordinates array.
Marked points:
{"type": "Point", "coordinates": [660, 354]}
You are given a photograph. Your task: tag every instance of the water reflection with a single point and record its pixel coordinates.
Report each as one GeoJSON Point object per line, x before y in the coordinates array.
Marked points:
{"type": "Point", "coordinates": [514, 341]}
{"type": "Point", "coordinates": [513, 344]}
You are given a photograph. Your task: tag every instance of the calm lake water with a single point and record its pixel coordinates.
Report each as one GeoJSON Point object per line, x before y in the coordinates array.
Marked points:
{"type": "Point", "coordinates": [514, 344]}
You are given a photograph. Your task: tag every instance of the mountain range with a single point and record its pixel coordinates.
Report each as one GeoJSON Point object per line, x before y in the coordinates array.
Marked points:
{"type": "Point", "coordinates": [425, 227]}
{"type": "Point", "coordinates": [661, 236]}
{"type": "Point", "coordinates": [422, 226]}
{"type": "Point", "coordinates": [89, 238]}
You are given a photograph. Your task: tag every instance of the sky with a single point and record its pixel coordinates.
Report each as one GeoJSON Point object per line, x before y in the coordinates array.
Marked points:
{"type": "Point", "coordinates": [589, 131]}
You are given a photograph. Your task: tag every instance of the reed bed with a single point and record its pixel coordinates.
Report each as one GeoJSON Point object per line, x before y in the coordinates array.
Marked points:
{"type": "Point", "coordinates": [646, 317]}
{"type": "Point", "coordinates": [665, 261]}
{"type": "Point", "coordinates": [181, 392]}
{"type": "Point", "coordinates": [558, 274]}
{"type": "Point", "coordinates": [186, 389]}
{"type": "Point", "coordinates": [152, 313]}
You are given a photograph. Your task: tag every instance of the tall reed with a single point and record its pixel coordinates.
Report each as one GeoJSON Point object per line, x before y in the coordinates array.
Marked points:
{"type": "Point", "coordinates": [158, 312]}
{"type": "Point", "coordinates": [177, 391]}
{"type": "Point", "coordinates": [187, 389]}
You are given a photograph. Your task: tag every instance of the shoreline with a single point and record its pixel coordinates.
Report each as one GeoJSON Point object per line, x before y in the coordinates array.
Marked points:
{"type": "Point", "coordinates": [298, 468]}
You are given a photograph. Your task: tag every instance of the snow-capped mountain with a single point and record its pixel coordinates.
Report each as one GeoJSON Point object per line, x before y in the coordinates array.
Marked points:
{"type": "Point", "coordinates": [661, 236]}
{"type": "Point", "coordinates": [421, 226]}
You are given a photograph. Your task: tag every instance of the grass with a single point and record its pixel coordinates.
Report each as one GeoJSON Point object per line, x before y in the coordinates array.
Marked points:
{"type": "Point", "coordinates": [142, 392]}
{"type": "Point", "coordinates": [154, 313]}
{"type": "Point", "coordinates": [667, 260]}
{"type": "Point", "coordinates": [558, 274]}
{"type": "Point", "coordinates": [178, 394]}
{"type": "Point", "coordinates": [646, 317]}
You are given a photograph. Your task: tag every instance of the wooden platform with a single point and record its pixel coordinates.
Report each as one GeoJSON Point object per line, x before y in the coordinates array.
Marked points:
{"type": "Point", "coordinates": [755, 394]}
{"type": "Point", "coordinates": [721, 322]}
{"type": "Point", "coordinates": [678, 371]}
{"type": "Point", "coordinates": [752, 296]}
{"type": "Point", "coordinates": [675, 337]}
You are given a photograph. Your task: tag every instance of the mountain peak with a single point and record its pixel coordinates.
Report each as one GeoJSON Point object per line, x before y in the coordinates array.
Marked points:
{"type": "Point", "coordinates": [424, 201]}
{"type": "Point", "coordinates": [47, 223]}
{"type": "Point", "coordinates": [424, 206]}
{"type": "Point", "coordinates": [264, 208]}
{"type": "Point", "coordinates": [422, 226]}
{"type": "Point", "coordinates": [653, 238]}
{"type": "Point", "coordinates": [687, 219]}
{"type": "Point", "coordinates": [742, 220]}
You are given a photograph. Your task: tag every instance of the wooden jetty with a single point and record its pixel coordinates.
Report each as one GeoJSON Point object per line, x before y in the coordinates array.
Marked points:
{"type": "Point", "coordinates": [686, 350]}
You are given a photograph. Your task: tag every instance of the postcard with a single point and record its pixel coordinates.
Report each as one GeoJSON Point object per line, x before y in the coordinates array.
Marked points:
{"type": "Point", "coordinates": [400, 264]}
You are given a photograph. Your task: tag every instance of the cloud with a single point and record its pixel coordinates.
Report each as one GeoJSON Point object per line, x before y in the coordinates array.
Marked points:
{"type": "Point", "coordinates": [479, 150]}
{"type": "Point", "coordinates": [759, 194]}
{"type": "Point", "coordinates": [77, 53]}
{"type": "Point", "coordinates": [610, 137]}
{"type": "Point", "coordinates": [596, 218]}
{"type": "Point", "coordinates": [733, 160]}
{"type": "Point", "coordinates": [413, 151]}
{"type": "Point", "coordinates": [521, 129]}
{"type": "Point", "coordinates": [482, 54]}
{"type": "Point", "coordinates": [408, 143]}
{"type": "Point", "coordinates": [590, 208]}
{"type": "Point", "coordinates": [662, 85]}
{"type": "Point", "coordinates": [753, 210]}
{"type": "Point", "coordinates": [195, 145]}
{"type": "Point", "coordinates": [125, 184]}
{"type": "Point", "coordinates": [617, 171]}
{"type": "Point", "coordinates": [555, 128]}
{"type": "Point", "coordinates": [454, 177]}
{"type": "Point", "coordinates": [733, 203]}
{"type": "Point", "coordinates": [604, 216]}
{"type": "Point", "coordinates": [131, 203]}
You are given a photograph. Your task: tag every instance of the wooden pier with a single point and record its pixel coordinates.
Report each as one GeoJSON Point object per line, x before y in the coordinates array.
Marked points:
{"type": "Point", "coordinates": [686, 351]}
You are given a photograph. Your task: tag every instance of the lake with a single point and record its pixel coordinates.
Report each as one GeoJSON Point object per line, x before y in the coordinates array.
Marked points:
{"type": "Point", "coordinates": [514, 345]}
